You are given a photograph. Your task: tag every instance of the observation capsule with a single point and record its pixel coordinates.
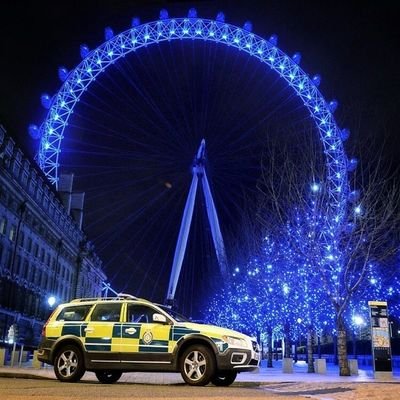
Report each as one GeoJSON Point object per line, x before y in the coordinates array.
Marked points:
{"type": "Point", "coordinates": [273, 39]}
{"type": "Point", "coordinates": [344, 134]}
{"type": "Point", "coordinates": [316, 80]}
{"type": "Point", "coordinates": [34, 131]}
{"type": "Point", "coordinates": [63, 73]}
{"type": "Point", "coordinates": [220, 17]}
{"type": "Point", "coordinates": [352, 164]}
{"type": "Point", "coordinates": [333, 104]}
{"type": "Point", "coordinates": [136, 21]}
{"type": "Point", "coordinates": [164, 14]}
{"type": "Point", "coordinates": [192, 13]}
{"type": "Point", "coordinates": [84, 51]}
{"type": "Point", "coordinates": [45, 99]}
{"type": "Point", "coordinates": [248, 26]}
{"type": "Point", "coordinates": [108, 33]}
{"type": "Point", "coordinates": [296, 58]}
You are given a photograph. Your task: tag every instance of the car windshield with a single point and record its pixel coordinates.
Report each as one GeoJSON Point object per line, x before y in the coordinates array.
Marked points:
{"type": "Point", "coordinates": [175, 315]}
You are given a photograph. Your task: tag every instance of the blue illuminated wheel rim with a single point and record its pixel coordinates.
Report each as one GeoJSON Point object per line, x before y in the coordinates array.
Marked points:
{"type": "Point", "coordinates": [94, 62]}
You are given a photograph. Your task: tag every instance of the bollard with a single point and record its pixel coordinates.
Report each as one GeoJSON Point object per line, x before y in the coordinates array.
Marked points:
{"type": "Point", "coordinates": [21, 353]}
{"type": "Point", "coordinates": [353, 365]}
{"type": "Point", "coordinates": [2, 357]}
{"type": "Point", "coordinates": [320, 366]}
{"type": "Point", "coordinates": [13, 354]}
{"type": "Point", "coordinates": [35, 362]}
{"type": "Point", "coordinates": [287, 366]}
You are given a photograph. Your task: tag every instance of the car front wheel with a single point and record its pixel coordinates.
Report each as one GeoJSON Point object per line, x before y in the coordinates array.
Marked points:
{"type": "Point", "coordinates": [108, 376]}
{"type": "Point", "coordinates": [197, 365]}
{"type": "Point", "coordinates": [69, 365]}
{"type": "Point", "coordinates": [225, 378]}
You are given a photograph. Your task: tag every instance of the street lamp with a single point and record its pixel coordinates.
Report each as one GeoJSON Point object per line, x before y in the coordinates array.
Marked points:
{"type": "Point", "coordinates": [51, 300]}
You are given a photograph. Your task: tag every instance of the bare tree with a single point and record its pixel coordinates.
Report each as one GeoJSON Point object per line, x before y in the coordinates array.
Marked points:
{"type": "Point", "coordinates": [369, 233]}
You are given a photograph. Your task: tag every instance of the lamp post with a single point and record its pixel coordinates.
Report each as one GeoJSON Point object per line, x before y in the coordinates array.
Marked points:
{"type": "Point", "coordinates": [359, 322]}
{"type": "Point", "coordinates": [52, 299]}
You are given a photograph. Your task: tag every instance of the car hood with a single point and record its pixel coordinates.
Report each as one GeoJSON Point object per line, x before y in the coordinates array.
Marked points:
{"type": "Point", "coordinates": [213, 330]}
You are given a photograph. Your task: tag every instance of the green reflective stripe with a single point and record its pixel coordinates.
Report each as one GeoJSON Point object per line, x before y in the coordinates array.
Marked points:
{"type": "Point", "coordinates": [71, 329]}
{"type": "Point", "coordinates": [98, 344]}
{"type": "Point", "coordinates": [177, 333]}
{"type": "Point", "coordinates": [156, 346]}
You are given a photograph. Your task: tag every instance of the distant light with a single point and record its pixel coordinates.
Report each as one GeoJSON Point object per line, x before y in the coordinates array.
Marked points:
{"type": "Point", "coordinates": [46, 145]}
{"type": "Point", "coordinates": [299, 320]}
{"type": "Point", "coordinates": [315, 187]}
{"type": "Point", "coordinates": [358, 210]}
{"type": "Point", "coordinates": [51, 301]}
{"type": "Point", "coordinates": [373, 281]}
{"type": "Point", "coordinates": [286, 288]}
{"type": "Point", "coordinates": [237, 269]}
{"type": "Point", "coordinates": [358, 320]}
{"type": "Point", "coordinates": [168, 185]}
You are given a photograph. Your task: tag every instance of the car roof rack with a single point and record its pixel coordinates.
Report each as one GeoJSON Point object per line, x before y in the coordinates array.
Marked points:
{"type": "Point", "coordinates": [120, 296]}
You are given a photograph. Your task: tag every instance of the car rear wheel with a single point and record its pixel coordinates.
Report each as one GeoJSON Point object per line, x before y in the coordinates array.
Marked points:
{"type": "Point", "coordinates": [224, 378]}
{"type": "Point", "coordinates": [197, 365]}
{"type": "Point", "coordinates": [69, 365]}
{"type": "Point", "coordinates": [108, 376]}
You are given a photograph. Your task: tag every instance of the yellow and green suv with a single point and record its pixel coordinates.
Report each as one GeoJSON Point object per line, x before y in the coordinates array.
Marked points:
{"type": "Point", "coordinates": [110, 336]}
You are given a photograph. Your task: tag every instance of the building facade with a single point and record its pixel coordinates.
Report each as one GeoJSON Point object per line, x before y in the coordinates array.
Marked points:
{"type": "Point", "coordinates": [43, 250]}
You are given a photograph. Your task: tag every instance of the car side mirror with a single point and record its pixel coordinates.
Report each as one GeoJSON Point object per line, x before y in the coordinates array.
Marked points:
{"type": "Point", "coordinates": [159, 318]}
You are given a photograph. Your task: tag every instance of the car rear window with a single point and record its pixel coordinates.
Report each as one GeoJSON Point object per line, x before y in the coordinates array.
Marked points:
{"type": "Point", "coordinates": [74, 313]}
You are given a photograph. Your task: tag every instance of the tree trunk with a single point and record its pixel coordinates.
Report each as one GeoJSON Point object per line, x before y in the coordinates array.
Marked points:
{"type": "Point", "coordinates": [310, 355]}
{"type": "Point", "coordinates": [269, 349]}
{"type": "Point", "coordinates": [286, 335]}
{"type": "Point", "coordinates": [344, 369]}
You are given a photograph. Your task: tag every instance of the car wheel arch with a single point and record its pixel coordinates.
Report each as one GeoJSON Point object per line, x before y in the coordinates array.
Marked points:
{"type": "Point", "coordinates": [190, 340]}
{"type": "Point", "coordinates": [65, 341]}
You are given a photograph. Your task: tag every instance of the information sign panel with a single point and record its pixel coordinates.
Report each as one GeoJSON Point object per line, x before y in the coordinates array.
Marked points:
{"type": "Point", "coordinates": [381, 351]}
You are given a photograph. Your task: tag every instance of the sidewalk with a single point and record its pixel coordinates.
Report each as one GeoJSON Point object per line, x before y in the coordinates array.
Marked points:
{"type": "Point", "coordinates": [264, 376]}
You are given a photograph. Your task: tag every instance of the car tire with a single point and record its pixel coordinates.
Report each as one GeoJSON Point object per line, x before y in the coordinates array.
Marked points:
{"type": "Point", "coordinates": [224, 378]}
{"type": "Point", "coordinates": [69, 364]}
{"type": "Point", "coordinates": [197, 365]}
{"type": "Point", "coordinates": [108, 376]}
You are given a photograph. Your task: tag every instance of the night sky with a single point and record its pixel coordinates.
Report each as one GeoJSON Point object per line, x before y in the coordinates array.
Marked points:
{"type": "Point", "coordinates": [353, 45]}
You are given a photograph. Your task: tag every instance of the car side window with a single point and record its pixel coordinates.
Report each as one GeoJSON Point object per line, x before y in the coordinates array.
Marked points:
{"type": "Point", "coordinates": [140, 314]}
{"type": "Point", "coordinates": [106, 312]}
{"type": "Point", "coordinates": [74, 313]}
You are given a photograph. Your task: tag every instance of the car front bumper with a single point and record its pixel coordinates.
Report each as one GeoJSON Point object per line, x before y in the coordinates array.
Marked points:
{"type": "Point", "coordinates": [240, 360]}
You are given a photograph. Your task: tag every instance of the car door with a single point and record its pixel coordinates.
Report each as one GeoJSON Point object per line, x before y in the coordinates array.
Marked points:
{"type": "Point", "coordinates": [145, 342]}
{"type": "Point", "coordinates": [102, 334]}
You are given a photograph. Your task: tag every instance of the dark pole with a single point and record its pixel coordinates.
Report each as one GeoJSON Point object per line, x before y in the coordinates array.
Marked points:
{"type": "Point", "coordinates": [21, 211]}
{"type": "Point", "coordinates": [59, 247]}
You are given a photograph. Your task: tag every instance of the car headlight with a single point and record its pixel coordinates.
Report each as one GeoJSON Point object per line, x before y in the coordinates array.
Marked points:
{"type": "Point", "coordinates": [234, 342]}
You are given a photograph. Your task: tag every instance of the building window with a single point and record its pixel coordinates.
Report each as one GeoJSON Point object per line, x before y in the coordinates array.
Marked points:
{"type": "Point", "coordinates": [36, 250]}
{"type": "Point", "coordinates": [29, 247]}
{"type": "Point", "coordinates": [21, 239]}
{"type": "Point", "coordinates": [13, 232]}
{"type": "Point", "coordinates": [3, 225]}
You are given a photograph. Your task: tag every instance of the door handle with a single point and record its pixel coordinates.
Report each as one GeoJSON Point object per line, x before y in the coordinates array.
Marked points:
{"type": "Point", "coordinates": [89, 330]}
{"type": "Point", "coordinates": [130, 331]}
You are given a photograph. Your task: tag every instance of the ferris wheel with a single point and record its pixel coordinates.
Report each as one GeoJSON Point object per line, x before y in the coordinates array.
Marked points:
{"type": "Point", "coordinates": [129, 117]}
